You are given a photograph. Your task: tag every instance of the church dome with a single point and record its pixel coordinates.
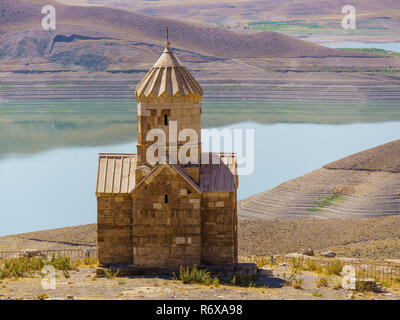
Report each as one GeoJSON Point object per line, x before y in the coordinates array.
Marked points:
{"type": "Point", "coordinates": [168, 78]}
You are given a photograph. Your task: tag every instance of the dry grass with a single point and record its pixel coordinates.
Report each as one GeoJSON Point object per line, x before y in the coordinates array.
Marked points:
{"type": "Point", "coordinates": [88, 262]}
{"type": "Point", "coordinates": [313, 266]}
{"type": "Point", "coordinates": [322, 282]}
{"type": "Point", "coordinates": [25, 267]}
{"type": "Point", "coordinates": [294, 281]}
{"type": "Point", "coordinates": [334, 268]}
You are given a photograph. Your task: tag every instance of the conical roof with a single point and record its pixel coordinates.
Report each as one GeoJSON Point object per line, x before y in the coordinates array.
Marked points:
{"type": "Point", "coordinates": [168, 77]}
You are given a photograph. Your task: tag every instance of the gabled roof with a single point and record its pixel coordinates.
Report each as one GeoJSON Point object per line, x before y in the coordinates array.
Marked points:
{"type": "Point", "coordinates": [158, 169]}
{"type": "Point", "coordinates": [115, 173]}
{"type": "Point", "coordinates": [219, 176]}
{"type": "Point", "coordinates": [168, 77]}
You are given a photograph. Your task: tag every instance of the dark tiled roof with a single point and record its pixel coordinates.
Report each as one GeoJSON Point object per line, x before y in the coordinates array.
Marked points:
{"type": "Point", "coordinates": [218, 177]}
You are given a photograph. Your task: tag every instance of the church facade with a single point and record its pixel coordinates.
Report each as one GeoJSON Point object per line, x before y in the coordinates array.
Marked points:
{"type": "Point", "coordinates": [172, 213]}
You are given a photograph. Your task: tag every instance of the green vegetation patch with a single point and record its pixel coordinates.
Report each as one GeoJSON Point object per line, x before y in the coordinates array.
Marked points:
{"type": "Point", "coordinates": [55, 85]}
{"type": "Point", "coordinates": [22, 267]}
{"type": "Point", "coordinates": [194, 275]}
{"type": "Point", "coordinates": [201, 276]}
{"type": "Point", "coordinates": [284, 25]}
{"type": "Point", "coordinates": [243, 280]}
{"type": "Point", "coordinates": [373, 50]}
{"type": "Point", "coordinates": [5, 86]}
{"type": "Point", "coordinates": [326, 202]}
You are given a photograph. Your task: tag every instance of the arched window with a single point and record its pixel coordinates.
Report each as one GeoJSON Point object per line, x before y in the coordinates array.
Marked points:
{"type": "Point", "coordinates": [166, 198]}
{"type": "Point", "coordinates": [165, 119]}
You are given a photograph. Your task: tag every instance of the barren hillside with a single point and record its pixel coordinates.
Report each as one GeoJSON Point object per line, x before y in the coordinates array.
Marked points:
{"type": "Point", "coordinates": [138, 27]}
{"type": "Point", "coordinates": [306, 19]}
{"type": "Point", "coordinates": [103, 52]}
{"type": "Point", "coordinates": [366, 184]}
{"type": "Point", "coordinates": [97, 38]}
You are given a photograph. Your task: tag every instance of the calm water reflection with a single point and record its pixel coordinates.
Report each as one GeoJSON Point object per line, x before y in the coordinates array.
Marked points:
{"type": "Point", "coordinates": [55, 188]}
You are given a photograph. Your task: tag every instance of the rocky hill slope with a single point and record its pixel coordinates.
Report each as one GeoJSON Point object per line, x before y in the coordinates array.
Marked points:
{"type": "Point", "coordinates": [366, 184]}
{"type": "Point", "coordinates": [101, 38]}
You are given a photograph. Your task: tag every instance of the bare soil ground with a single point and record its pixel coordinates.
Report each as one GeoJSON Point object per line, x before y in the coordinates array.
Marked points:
{"type": "Point", "coordinates": [372, 238]}
{"type": "Point", "coordinates": [83, 284]}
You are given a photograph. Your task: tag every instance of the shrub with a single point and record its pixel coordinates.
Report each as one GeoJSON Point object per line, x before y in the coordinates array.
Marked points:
{"type": "Point", "coordinates": [20, 267]}
{"type": "Point", "coordinates": [197, 276]}
{"type": "Point", "coordinates": [322, 282]}
{"type": "Point", "coordinates": [89, 262]}
{"type": "Point", "coordinates": [314, 266]}
{"type": "Point", "coordinates": [61, 263]}
{"type": "Point", "coordinates": [243, 280]}
{"type": "Point", "coordinates": [296, 283]}
{"type": "Point", "coordinates": [111, 275]}
{"type": "Point", "coordinates": [23, 266]}
{"type": "Point", "coordinates": [296, 264]}
{"type": "Point", "coordinates": [317, 294]}
{"type": "Point", "coordinates": [334, 267]}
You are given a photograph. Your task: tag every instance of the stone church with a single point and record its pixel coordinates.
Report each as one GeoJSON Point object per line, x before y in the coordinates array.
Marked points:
{"type": "Point", "coordinates": [165, 215]}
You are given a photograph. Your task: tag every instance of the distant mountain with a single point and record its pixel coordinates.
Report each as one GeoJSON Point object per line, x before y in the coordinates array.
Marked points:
{"type": "Point", "coordinates": [94, 38]}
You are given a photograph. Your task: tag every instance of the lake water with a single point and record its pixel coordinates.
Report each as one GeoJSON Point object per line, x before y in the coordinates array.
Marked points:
{"type": "Point", "coordinates": [391, 46]}
{"type": "Point", "coordinates": [48, 164]}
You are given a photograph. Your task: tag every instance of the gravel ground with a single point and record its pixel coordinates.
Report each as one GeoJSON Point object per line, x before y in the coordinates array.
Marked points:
{"type": "Point", "coordinates": [83, 284]}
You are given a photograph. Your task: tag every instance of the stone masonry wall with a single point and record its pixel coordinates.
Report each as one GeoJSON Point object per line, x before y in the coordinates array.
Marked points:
{"type": "Point", "coordinates": [114, 229]}
{"type": "Point", "coordinates": [218, 228]}
{"type": "Point", "coordinates": [186, 113]}
{"type": "Point", "coordinates": [166, 235]}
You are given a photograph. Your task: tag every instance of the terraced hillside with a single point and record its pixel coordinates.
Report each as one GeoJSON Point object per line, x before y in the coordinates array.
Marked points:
{"type": "Point", "coordinates": [366, 184]}
{"type": "Point", "coordinates": [332, 90]}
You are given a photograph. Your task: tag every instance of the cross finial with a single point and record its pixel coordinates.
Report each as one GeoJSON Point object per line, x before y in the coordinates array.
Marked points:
{"type": "Point", "coordinates": [167, 43]}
